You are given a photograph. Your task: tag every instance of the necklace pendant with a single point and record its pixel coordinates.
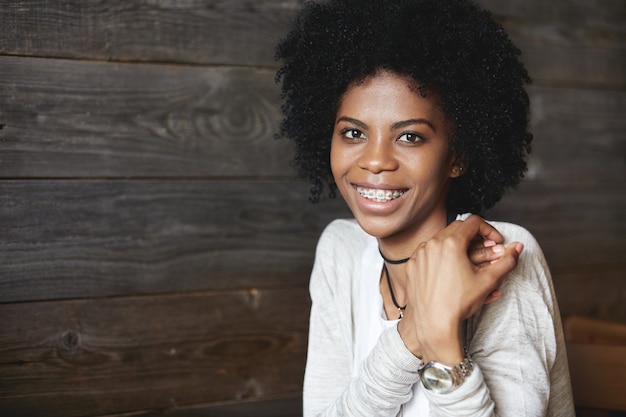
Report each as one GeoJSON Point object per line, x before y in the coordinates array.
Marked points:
{"type": "Point", "coordinates": [401, 313]}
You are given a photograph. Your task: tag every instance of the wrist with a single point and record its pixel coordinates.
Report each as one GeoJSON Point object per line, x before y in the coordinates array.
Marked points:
{"type": "Point", "coordinates": [442, 345]}
{"type": "Point", "coordinates": [409, 337]}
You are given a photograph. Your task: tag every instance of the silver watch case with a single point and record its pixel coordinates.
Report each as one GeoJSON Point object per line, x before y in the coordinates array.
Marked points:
{"type": "Point", "coordinates": [442, 379]}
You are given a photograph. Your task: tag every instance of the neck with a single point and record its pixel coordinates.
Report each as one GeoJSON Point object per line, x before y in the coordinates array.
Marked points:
{"type": "Point", "coordinates": [402, 245]}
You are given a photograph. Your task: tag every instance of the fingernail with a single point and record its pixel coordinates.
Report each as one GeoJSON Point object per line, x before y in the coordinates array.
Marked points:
{"type": "Point", "coordinates": [498, 249]}
{"type": "Point", "coordinates": [489, 243]}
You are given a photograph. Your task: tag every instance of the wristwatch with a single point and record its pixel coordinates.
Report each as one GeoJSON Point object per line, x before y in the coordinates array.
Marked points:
{"type": "Point", "coordinates": [442, 379]}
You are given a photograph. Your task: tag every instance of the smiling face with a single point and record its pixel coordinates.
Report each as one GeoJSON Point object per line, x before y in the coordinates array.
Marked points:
{"type": "Point", "coordinates": [390, 157]}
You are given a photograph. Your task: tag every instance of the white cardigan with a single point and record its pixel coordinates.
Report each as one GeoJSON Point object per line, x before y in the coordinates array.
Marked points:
{"type": "Point", "coordinates": [516, 342]}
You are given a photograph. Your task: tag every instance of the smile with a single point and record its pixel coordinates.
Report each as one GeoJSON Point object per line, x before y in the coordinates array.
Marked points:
{"type": "Point", "coordinates": [379, 196]}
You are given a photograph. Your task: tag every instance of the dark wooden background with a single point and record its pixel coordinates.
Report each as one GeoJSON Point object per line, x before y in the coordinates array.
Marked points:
{"type": "Point", "coordinates": [155, 245]}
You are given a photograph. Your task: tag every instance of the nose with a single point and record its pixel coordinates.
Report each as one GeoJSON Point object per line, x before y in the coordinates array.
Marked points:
{"type": "Point", "coordinates": [377, 156]}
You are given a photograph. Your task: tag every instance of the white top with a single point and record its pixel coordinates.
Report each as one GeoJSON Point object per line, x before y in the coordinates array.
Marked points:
{"type": "Point", "coordinates": [371, 322]}
{"type": "Point", "coordinates": [358, 366]}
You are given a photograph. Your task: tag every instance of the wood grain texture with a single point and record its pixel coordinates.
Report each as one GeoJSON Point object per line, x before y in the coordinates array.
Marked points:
{"type": "Point", "coordinates": [581, 228]}
{"type": "Point", "coordinates": [578, 135]}
{"type": "Point", "coordinates": [68, 239]}
{"type": "Point", "coordinates": [568, 42]}
{"type": "Point", "coordinates": [155, 247]}
{"type": "Point", "coordinates": [65, 118]}
{"type": "Point", "coordinates": [563, 42]}
{"type": "Point", "coordinates": [234, 32]}
{"type": "Point", "coordinates": [106, 356]}
{"type": "Point", "coordinates": [609, 14]}
{"type": "Point", "coordinates": [576, 224]}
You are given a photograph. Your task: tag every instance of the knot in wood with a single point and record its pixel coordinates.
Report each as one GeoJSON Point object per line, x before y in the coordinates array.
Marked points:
{"type": "Point", "coordinates": [71, 340]}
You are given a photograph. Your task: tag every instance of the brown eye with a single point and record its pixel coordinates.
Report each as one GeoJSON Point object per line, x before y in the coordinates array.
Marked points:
{"type": "Point", "coordinates": [352, 133]}
{"type": "Point", "coordinates": [410, 138]}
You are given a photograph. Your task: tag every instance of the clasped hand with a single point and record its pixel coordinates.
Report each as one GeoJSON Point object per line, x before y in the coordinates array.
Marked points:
{"type": "Point", "coordinates": [446, 285]}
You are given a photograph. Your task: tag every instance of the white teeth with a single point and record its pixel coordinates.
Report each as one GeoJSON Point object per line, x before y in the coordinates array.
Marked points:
{"type": "Point", "coordinates": [380, 196]}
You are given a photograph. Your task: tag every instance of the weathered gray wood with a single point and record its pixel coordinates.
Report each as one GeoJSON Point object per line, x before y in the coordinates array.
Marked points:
{"type": "Point", "coordinates": [579, 135]}
{"type": "Point", "coordinates": [576, 224]}
{"type": "Point", "coordinates": [581, 228]}
{"type": "Point", "coordinates": [234, 32]}
{"type": "Point", "coordinates": [120, 355]}
{"type": "Point", "coordinates": [575, 14]}
{"type": "Point", "coordinates": [564, 42]}
{"type": "Point", "coordinates": [568, 42]}
{"type": "Point", "coordinates": [69, 239]}
{"type": "Point", "coordinates": [64, 118]}
{"type": "Point", "coordinates": [213, 272]}
{"type": "Point", "coordinates": [82, 119]}
{"type": "Point", "coordinates": [64, 239]}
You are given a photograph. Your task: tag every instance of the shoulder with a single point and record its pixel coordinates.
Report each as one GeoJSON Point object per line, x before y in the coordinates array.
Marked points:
{"type": "Point", "coordinates": [528, 289]}
{"type": "Point", "coordinates": [531, 277]}
{"type": "Point", "coordinates": [344, 235]}
{"type": "Point", "coordinates": [532, 262]}
{"type": "Point", "coordinates": [339, 252]}
{"type": "Point", "coordinates": [515, 233]}
{"type": "Point", "coordinates": [511, 232]}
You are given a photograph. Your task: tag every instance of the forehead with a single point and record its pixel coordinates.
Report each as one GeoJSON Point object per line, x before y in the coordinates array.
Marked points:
{"type": "Point", "coordinates": [388, 95]}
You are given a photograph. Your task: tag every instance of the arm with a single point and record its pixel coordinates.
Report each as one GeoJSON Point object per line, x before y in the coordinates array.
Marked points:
{"type": "Point", "coordinates": [518, 341]}
{"type": "Point", "coordinates": [388, 373]}
{"type": "Point", "coordinates": [390, 370]}
{"type": "Point", "coordinates": [517, 344]}
{"type": "Point", "coordinates": [444, 288]}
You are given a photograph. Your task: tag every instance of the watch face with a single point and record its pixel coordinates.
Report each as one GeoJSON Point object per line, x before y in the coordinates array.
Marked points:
{"type": "Point", "coordinates": [436, 379]}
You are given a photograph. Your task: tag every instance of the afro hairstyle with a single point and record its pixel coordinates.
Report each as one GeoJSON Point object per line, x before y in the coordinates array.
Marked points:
{"type": "Point", "coordinates": [452, 47]}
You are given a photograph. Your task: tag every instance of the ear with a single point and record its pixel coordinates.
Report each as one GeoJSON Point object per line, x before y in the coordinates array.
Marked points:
{"type": "Point", "coordinates": [456, 171]}
{"type": "Point", "coordinates": [458, 167]}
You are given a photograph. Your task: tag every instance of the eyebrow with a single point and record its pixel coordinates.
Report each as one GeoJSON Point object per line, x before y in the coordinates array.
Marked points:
{"type": "Point", "coordinates": [405, 123]}
{"type": "Point", "coordinates": [397, 125]}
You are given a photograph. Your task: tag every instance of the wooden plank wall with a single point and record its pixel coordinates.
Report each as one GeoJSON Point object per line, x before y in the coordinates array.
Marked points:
{"type": "Point", "coordinates": [155, 244]}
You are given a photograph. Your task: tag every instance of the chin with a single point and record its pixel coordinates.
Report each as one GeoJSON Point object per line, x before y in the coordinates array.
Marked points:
{"type": "Point", "coordinates": [379, 229]}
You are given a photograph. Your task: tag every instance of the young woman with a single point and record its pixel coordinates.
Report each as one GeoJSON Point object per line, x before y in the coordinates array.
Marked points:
{"type": "Point", "coordinates": [415, 111]}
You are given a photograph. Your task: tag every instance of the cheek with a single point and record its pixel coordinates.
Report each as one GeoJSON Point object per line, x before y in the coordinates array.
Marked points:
{"type": "Point", "coordinates": [337, 159]}
{"type": "Point", "coordinates": [432, 172]}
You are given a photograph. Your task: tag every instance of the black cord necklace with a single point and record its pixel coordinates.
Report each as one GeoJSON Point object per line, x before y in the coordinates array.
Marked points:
{"type": "Point", "coordinates": [393, 297]}
{"type": "Point", "coordinates": [393, 261]}
{"type": "Point", "coordinates": [450, 217]}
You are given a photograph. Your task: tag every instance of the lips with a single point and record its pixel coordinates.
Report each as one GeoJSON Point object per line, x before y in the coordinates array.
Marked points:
{"type": "Point", "coordinates": [379, 195]}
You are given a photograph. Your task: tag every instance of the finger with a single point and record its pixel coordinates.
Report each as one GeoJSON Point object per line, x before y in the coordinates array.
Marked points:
{"type": "Point", "coordinates": [479, 243]}
{"type": "Point", "coordinates": [500, 267]}
{"type": "Point", "coordinates": [493, 296]}
{"type": "Point", "coordinates": [481, 228]}
{"type": "Point", "coordinates": [473, 227]}
{"type": "Point", "coordinates": [486, 255]}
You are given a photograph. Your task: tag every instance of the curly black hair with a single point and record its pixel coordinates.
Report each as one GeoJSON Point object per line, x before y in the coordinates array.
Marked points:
{"type": "Point", "coordinates": [452, 47]}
